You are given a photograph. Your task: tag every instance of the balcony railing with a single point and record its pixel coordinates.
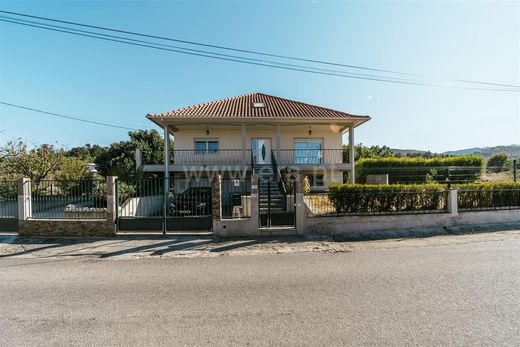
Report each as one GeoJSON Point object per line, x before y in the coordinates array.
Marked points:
{"type": "Point", "coordinates": [219, 157]}
{"type": "Point", "coordinates": [237, 157]}
{"type": "Point", "coordinates": [311, 156]}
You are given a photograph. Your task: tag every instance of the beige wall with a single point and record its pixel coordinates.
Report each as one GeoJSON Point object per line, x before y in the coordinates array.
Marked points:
{"type": "Point", "coordinates": [232, 138]}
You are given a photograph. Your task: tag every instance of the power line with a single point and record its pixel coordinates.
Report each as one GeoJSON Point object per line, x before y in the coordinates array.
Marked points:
{"type": "Point", "coordinates": [263, 62]}
{"type": "Point", "coordinates": [67, 117]}
{"type": "Point", "coordinates": [260, 61]}
{"type": "Point", "coordinates": [248, 61]}
{"type": "Point", "coordinates": [252, 51]}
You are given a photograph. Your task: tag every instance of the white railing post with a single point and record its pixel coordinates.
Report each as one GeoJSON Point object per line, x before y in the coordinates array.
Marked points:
{"type": "Point", "coordinates": [453, 207]}
{"type": "Point", "coordinates": [24, 199]}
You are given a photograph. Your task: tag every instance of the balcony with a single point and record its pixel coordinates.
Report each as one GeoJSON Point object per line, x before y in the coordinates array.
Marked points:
{"type": "Point", "coordinates": [222, 158]}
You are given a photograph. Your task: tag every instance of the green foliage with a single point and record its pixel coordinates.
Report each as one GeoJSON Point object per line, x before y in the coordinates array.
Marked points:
{"type": "Point", "coordinates": [361, 151]}
{"type": "Point", "coordinates": [366, 199]}
{"type": "Point", "coordinates": [306, 185]}
{"type": "Point", "coordinates": [37, 164]}
{"type": "Point", "coordinates": [488, 195]}
{"type": "Point", "coordinates": [419, 170]}
{"type": "Point", "coordinates": [498, 162]}
{"type": "Point", "coordinates": [119, 158]}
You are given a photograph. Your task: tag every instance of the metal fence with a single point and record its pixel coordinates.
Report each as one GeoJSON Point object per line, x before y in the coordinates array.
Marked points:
{"type": "Point", "coordinates": [441, 174]}
{"type": "Point", "coordinates": [475, 199]}
{"type": "Point", "coordinates": [376, 203]}
{"type": "Point", "coordinates": [68, 199]}
{"type": "Point", "coordinates": [8, 199]}
{"type": "Point", "coordinates": [235, 197]}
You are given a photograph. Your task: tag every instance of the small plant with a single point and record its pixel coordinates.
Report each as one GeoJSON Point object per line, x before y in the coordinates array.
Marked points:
{"type": "Point", "coordinates": [306, 185]}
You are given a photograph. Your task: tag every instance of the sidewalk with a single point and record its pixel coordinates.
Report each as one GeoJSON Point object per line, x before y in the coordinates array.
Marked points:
{"type": "Point", "coordinates": [168, 246]}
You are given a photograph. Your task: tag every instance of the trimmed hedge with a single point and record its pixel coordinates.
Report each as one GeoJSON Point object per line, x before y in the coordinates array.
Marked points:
{"type": "Point", "coordinates": [488, 196]}
{"type": "Point", "coordinates": [399, 198]}
{"type": "Point", "coordinates": [467, 168]}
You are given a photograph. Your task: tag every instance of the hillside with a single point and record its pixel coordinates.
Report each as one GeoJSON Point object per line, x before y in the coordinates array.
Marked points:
{"type": "Point", "coordinates": [513, 151]}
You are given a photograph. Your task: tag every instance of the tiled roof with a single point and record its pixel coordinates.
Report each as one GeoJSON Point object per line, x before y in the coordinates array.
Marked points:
{"type": "Point", "coordinates": [242, 107]}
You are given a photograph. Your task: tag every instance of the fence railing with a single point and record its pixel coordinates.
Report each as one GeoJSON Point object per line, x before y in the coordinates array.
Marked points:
{"type": "Point", "coordinates": [311, 156]}
{"type": "Point", "coordinates": [376, 203]}
{"type": "Point", "coordinates": [68, 199]}
{"type": "Point", "coordinates": [148, 198]}
{"type": "Point", "coordinates": [475, 199]}
{"type": "Point", "coordinates": [8, 199]}
{"type": "Point", "coordinates": [218, 157]}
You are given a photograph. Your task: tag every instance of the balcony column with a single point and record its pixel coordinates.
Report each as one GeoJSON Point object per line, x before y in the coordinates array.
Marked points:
{"type": "Point", "coordinates": [166, 154]}
{"type": "Point", "coordinates": [278, 142]}
{"type": "Point", "coordinates": [244, 145]}
{"type": "Point", "coordinates": [351, 158]}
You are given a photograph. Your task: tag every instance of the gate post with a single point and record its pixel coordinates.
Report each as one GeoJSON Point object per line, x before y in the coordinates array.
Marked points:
{"type": "Point", "coordinates": [215, 198]}
{"type": "Point", "coordinates": [452, 203]}
{"type": "Point", "coordinates": [112, 203]}
{"type": "Point", "coordinates": [299, 204]}
{"type": "Point", "coordinates": [254, 200]}
{"type": "Point", "coordinates": [24, 199]}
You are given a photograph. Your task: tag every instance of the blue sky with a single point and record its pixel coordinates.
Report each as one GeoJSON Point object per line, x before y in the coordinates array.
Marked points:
{"type": "Point", "coordinates": [121, 84]}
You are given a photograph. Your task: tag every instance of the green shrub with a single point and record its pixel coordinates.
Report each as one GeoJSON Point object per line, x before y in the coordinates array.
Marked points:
{"type": "Point", "coordinates": [488, 195]}
{"type": "Point", "coordinates": [467, 168]}
{"type": "Point", "coordinates": [402, 198]}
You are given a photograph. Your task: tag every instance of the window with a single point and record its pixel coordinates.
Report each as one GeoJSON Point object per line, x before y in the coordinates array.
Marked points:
{"type": "Point", "coordinates": [316, 180]}
{"type": "Point", "coordinates": [308, 151]}
{"type": "Point", "coordinates": [206, 146]}
{"type": "Point", "coordinates": [258, 104]}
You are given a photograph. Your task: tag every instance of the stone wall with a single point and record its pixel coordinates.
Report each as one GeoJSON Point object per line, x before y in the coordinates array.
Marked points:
{"type": "Point", "coordinates": [66, 227]}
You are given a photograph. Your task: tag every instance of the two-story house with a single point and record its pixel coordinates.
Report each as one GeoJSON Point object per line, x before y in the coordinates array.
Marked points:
{"type": "Point", "coordinates": [234, 136]}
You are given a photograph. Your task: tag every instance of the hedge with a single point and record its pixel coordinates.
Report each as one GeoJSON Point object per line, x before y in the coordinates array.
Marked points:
{"type": "Point", "coordinates": [399, 198]}
{"type": "Point", "coordinates": [467, 168]}
{"type": "Point", "coordinates": [488, 196]}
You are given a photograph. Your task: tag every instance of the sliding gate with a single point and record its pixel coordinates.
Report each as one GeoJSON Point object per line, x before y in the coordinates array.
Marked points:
{"type": "Point", "coordinates": [145, 205]}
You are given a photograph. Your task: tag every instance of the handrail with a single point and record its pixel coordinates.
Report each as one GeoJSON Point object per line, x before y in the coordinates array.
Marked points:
{"type": "Point", "coordinates": [279, 180]}
{"type": "Point", "coordinates": [252, 162]}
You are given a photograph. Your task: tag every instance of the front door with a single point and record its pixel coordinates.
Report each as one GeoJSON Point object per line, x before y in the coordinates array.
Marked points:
{"type": "Point", "coordinates": [261, 149]}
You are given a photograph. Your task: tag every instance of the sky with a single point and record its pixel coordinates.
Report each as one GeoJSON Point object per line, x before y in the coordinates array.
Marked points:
{"type": "Point", "coordinates": [118, 83]}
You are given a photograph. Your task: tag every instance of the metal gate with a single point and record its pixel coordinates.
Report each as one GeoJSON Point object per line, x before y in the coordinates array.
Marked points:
{"type": "Point", "coordinates": [277, 203]}
{"type": "Point", "coordinates": [8, 206]}
{"type": "Point", "coordinates": [145, 205]}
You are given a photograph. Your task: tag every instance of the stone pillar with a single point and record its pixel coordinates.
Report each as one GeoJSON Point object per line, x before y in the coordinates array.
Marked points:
{"type": "Point", "coordinates": [112, 204]}
{"type": "Point", "coordinates": [299, 207]}
{"type": "Point", "coordinates": [24, 199]}
{"type": "Point", "coordinates": [254, 199]}
{"type": "Point", "coordinates": [215, 198]}
{"type": "Point", "coordinates": [351, 156]}
{"type": "Point", "coordinates": [453, 207]}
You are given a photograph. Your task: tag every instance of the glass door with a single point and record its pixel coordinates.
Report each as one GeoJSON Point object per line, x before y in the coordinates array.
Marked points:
{"type": "Point", "coordinates": [261, 149]}
{"type": "Point", "coordinates": [308, 151]}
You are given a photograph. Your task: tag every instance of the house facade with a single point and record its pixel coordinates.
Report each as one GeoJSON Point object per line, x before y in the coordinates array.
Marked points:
{"type": "Point", "coordinates": [260, 133]}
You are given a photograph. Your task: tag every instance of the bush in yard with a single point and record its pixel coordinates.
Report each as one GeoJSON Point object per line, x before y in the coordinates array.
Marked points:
{"type": "Point", "coordinates": [357, 198]}
{"type": "Point", "coordinates": [498, 162]}
{"type": "Point", "coordinates": [488, 195]}
{"type": "Point", "coordinates": [467, 168]}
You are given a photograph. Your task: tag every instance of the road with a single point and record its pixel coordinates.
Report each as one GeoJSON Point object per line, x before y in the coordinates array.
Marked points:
{"type": "Point", "coordinates": [451, 294]}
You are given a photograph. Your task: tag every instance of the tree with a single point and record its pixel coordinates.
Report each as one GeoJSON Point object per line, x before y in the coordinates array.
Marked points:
{"type": "Point", "coordinates": [119, 158]}
{"type": "Point", "coordinates": [37, 164]}
{"type": "Point", "coordinates": [498, 162]}
{"type": "Point", "coordinates": [361, 151]}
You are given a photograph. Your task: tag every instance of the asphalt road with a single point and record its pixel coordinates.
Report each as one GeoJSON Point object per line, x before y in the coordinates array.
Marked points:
{"type": "Point", "coordinates": [455, 294]}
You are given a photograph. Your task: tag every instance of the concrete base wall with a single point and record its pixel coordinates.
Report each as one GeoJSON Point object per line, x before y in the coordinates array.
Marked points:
{"type": "Point", "coordinates": [247, 227]}
{"type": "Point", "coordinates": [363, 226]}
{"type": "Point", "coordinates": [65, 227]}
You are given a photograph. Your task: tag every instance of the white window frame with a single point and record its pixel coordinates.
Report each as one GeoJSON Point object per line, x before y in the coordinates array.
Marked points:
{"type": "Point", "coordinates": [207, 141]}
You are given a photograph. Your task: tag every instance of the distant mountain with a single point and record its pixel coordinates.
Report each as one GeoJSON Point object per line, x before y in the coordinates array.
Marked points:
{"type": "Point", "coordinates": [512, 151]}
